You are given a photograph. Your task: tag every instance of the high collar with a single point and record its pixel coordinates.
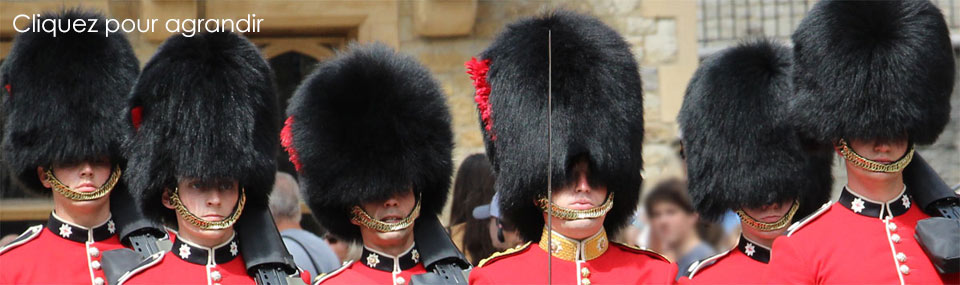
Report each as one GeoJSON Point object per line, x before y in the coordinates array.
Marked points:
{"type": "Point", "coordinates": [77, 233]}
{"type": "Point", "coordinates": [198, 254]}
{"type": "Point", "coordinates": [574, 250]}
{"type": "Point", "coordinates": [870, 208]}
{"type": "Point", "coordinates": [385, 262]}
{"type": "Point", "coordinates": [753, 250]}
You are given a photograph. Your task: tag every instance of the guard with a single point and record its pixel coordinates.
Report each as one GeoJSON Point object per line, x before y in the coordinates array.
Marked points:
{"type": "Point", "coordinates": [874, 79]}
{"type": "Point", "coordinates": [592, 143]}
{"type": "Point", "coordinates": [741, 155]}
{"type": "Point", "coordinates": [63, 99]}
{"type": "Point", "coordinates": [369, 133]}
{"type": "Point", "coordinates": [205, 132]}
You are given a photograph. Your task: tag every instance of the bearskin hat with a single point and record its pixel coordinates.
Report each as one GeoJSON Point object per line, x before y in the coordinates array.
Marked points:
{"type": "Point", "coordinates": [597, 111]}
{"type": "Point", "coordinates": [62, 97]}
{"type": "Point", "coordinates": [739, 150]}
{"type": "Point", "coordinates": [365, 125]}
{"type": "Point", "coordinates": [204, 107]}
{"type": "Point", "coordinates": [873, 70]}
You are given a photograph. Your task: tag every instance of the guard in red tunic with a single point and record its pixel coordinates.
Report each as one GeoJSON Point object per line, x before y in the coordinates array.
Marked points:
{"type": "Point", "coordinates": [369, 133]}
{"type": "Point", "coordinates": [741, 155]}
{"type": "Point", "coordinates": [205, 131]}
{"type": "Point", "coordinates": [62, 97]}
{"type": "Point", "coordinates": [594, 160]}
{"type": "Point", "coordinates": [873, 78]}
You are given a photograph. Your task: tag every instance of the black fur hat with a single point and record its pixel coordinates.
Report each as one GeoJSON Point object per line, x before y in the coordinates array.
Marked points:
{"type": "Point", "coordinates": [204, 107]}
{"type": "Point", "coordinates": [597, 113]}
{"type": "Point", "coordinates": [365, 125]}
{"type": "Point", "coordinates": [739, 151]}
{"type": "Point", "coordinates": [873, 70]}
{"type": "Point", "coordinates": [63, 97]}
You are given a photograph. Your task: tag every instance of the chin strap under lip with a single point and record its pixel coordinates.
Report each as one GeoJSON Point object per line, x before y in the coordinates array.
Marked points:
{"type": "Point", "coordinates": [783, 222]}
{"type": "Point", "coordinates": [360, 216]}
{"type": "Point", "coordinates": [853, 157]}
{"type": "Point", "coordinates": [74, 195]}
{"type": "Point", "coordinates": [204, 224]}
{"type": "Point", "coordinates": [571, 214]}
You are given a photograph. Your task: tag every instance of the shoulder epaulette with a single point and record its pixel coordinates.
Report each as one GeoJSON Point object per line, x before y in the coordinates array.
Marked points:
{"type": "Point", "coordinates": [639, 250]}
{"type": "Point", "coordinates": [704, 263]}
{"type": "Point", "coordinates": [143, 265]}
{"type": "Point", "coordinates": [799, 224]}
{"type": "Point", "coordinates": [508, 252]}
{"type": "Point", "coordinates": [324, 276]}
{"type": "Point", "coordinates": [28, 235]}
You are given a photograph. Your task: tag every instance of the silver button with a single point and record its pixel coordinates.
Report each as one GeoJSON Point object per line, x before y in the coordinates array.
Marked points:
{"type": "Point", "coordinates": [93, 251]}
{"type": "Point", "coordinates": [892, 226]}
{"type": "Point", "coordinates": [98, 281]}
{"type": "Point", "coordinates": [215, 275]}
{"type": "Point", "coordinates": [895, 238]}
{"type": "Point", "coordinates": [95, 265]}
{"type": "Point", "coordinates": [399, 280]}
{"type": "Point", "coordinates": [904, 269]}
{"type": "Point", "coordinates": [901, 257]}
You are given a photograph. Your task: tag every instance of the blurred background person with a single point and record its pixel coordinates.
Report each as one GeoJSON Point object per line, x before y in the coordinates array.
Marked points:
{"type": "Point", "coordinates": [473, 186]}
{"type": "Point", "coordinates": [501, 233]}
{"type": "Point", "coordinates": [310, 252]}
{"type": "Point", "coordinates": [674, 225]}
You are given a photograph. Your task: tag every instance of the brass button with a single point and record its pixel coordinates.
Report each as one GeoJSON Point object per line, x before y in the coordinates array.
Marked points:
{"type": "Point", "coordinates": [895, 238]}
{"type": "Point", "coordinates": [95, 265]}
{"type": "Point", "coordinates": [585, 281]}
{"type": "Point", "coordinates": [904, 269]}
{"type": "Point", "coordinates": [399, 280]}
{"type": "Point", "coordinates": [585, 272]}
{"type": "Point", "coordinates": [98, 281]}
{"type": "Point", "coordinates": [901, 257]}
{"type": "Point", "coordinates": [892, 226]}
{"type": "Point", "coordinates": [215, 275]}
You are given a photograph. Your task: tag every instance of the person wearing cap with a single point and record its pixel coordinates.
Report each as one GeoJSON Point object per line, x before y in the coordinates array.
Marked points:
{"type": "Point", "coordinates": [503, 234]}
{"type": "Point", "coordinates": [591, 144]}
{"type": "Point", "coordinates": [874, 79]}
{"type": "Point", "coordinates": [202, 149]}
{"type": "Point", "coordinates": [369, 133]}
{"type": "Point", "coordinates": [62, 98]}
{"type": "Point", "coordinates": [730, 118]}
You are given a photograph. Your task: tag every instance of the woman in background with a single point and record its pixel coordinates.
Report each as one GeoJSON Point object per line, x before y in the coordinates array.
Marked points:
{"type": "Point", "coordinates": [473, 187]}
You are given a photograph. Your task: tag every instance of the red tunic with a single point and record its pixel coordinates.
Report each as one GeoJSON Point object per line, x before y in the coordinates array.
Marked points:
{"type": "Point", "coordinates": [616, 264]}
{"type": "Point", "coordinates": [187, 262]}
{"type": "Point", "coordinates": [744, 264]}
{"type": "Point", "coordinates": [855, 240]}
{"type": "Point", "coordinates": [377, 268]}
{"type": "Point", "coordinates": [64, 253]}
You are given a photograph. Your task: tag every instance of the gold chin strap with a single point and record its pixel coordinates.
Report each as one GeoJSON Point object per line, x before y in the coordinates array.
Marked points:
{"type": "Point", "coordinates": [767, 227]}
{"type": "Point", "coordinates": [201, 223]}
{"type": "Point", "coordinates": [361, 216]}
{"type": "Point", "coordinates": [571, 214]}
{"type": "Point", "coordinates": [874, 166]}
{"type": "Point", "coordinates": [71, 194]}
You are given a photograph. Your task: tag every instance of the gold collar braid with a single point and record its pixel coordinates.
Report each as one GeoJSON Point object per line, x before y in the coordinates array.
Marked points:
{"type": "Point", "coordinates": [865, 163]}
{"type": "Point", "coordinates": [571, 214]}
{"type": "Point", "coordinates": [361, 216]}
{"type": "Point", "coordinates": [71, 194]}
{"type": "Point", "coordinates": [570, 249]}
{"type": "Point", "coordinates": [766, 227]}
{"type": "Point", "coordinates": [204, 224]}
